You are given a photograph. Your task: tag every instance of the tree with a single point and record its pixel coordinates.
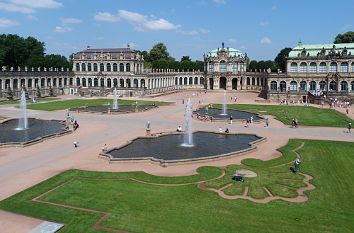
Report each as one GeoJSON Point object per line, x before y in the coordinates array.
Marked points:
{"type": "Point", "coordinates": [159, 51]}
{"type": "Point", "coordinates": [185, 58]}
{"type": "Point", "coordinates": [347, 37]}
{"type": "Point", "coordinates": [253, 65]}
{"type": "Point", "coordinates": [280, 59]}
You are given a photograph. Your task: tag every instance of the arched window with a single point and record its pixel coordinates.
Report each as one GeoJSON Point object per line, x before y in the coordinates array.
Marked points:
{"type": "Point", "coordinates": [142, 83]}
{"type": "Point", "coordinates": [190, 81]}
{"type": "Point", "coordinates": [333, 86]}
{"type": "Point", "coordinates": [344, 86]}
{"type": "Point", "coordinates": [95, 82]}
{"type": "Point", "coordinates": [95, 68]}
{"type": "Point", "coordinates": [109, 83]}
{"type": "Point", "coordinates": [108, 67]}
{"type": "Point", "coordinates": [323, 67]}
{"type": "Point", "coordinates": [128, 83]}
{"type": "Point", "coordinates": [176, 81]}
{"type": "Point", "coordinates": [333, 67]}
{"type": "Point", "coordinates": [303, 86]}
{"type": "Point", "coordinates": [303, 67]}
{"type": "Point", "coordinates": [248, 81]}
{"type": "Point", "coordinates": [121, 82]}
{"type": "Point", "coordinates": [89, 82]}
{"type": "Point", "coordinates": [127, 67]}
{"type": "Point", "coordinates": [115, 82]}
{"type": "Point", "coordinates": [115, 67]}
{"type": "Point", "coordinates": [344, 67]}
{"type": "Point", "coordinates": [222, 67]}
{"type": "Point", "coordinates": [253, 81]}
{"type": "Point", "coordinates": [84, 82]}
{"type": "Point", "coordinates": [77, 67]}
{"type": "Point", "coordinates": [234, 68]}
{"type": "Point", "coordinates": [83, 67]}
{"type": "Point", "coordinates": [201, 81]}
{"type": "Point", "coordinates": [195, 80]}
{"type": "Point", "coordinates": [312, 86]}
{"type": "Point", "coordinates": [121, 67]}
{"type": "Point", "coordinates": [293, 67]}
{"type": "Point", "coordinates": [101, 67]}
{"type": "Point", "coordinates": [352, 86]}
{"type": "Point", "coordinates": [89, 67]}
{"type": "Point", "coordinates": [313, 67]}
{"type": "Point", "coordinates": [211, 67]}
{"type": "Point", "coordinates": [185, 81]}
{"type": "Point", "coordinates": [273, 86]}
{"type": "Point", "coordinates": [77, 81]}
{"type": "Point", "coordinates": [282, 86]}
{"type": "Point", "coordinates": [136, 83]}
{"type": "Point", "coordinates": [101, 82]}
{"type": "Point", "coordinates": [352, 66]}
{"type": "Point", "coordinates": [242, 67]}
{"type": "Point", "coordinates": [180, 81]}
{"type": "Point", "coordinates": [323, 86]}
{"type": "Point", "coordinates": [293, 86]}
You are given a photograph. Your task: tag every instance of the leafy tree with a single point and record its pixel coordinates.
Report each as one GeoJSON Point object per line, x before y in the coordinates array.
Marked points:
{"type": "Point", "coordinates": [280, 59]}
{"type": "Point", "coordinates": [253, 65]}
{"type": "Point", "coordinates": [347, 37]}
{"type": "Point", "coordinates": [185, 58]}
{"type": "Point", "coordinates": [159, 51]}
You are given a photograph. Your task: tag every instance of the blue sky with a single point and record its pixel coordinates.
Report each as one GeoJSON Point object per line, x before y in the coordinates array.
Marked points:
{"type": "Point", "coordinates": [261, 28]}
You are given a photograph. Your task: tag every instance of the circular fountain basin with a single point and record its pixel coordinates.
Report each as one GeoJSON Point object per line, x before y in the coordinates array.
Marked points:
{"type": "Point", "coordinates": [109, 109]}
{"type": "Point", "coordinates": [37, 130]}
{"type": "Point", "coordinates": [168, 147]}
{"type": "Point", "coordinates": [216, 114]}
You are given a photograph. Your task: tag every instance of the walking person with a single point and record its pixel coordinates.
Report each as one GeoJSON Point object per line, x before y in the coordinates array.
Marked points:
{"type": "Point", "coordinates": [267, 122]}
{"type": "Point", "coordinates": [297, 165]}
{"type": "Point", "coordinates": [349, 127]}
{"type": "Point", "coordinates": [230, 119]}
{"type": "Point", "coordinates": [76, 144]}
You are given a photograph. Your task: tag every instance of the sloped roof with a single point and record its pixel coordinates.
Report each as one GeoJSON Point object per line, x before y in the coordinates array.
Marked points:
{"type": "Point", "coordinates": [314, 49]}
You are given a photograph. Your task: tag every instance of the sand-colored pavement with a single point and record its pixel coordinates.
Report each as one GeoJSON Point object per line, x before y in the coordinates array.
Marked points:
{"type": "Point", "coordinates": [21, 168]}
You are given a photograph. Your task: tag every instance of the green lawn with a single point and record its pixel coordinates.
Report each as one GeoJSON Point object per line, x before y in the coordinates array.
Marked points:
{"type": "Point", "coordinates": [139, 207]}
{"type": "Point", "coordinates": [75, 103]}
{"type": "Point", "coordinates": [309, 116]}
{"type": "Point", "coordinates": [29, 100]}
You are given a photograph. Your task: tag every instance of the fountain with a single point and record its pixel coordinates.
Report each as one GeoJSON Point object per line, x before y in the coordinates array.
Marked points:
{"type": "Point", "coordinates": [23, 121]}
{"type": "Point", "coordinates": [188, 136]}
{"type": "Point", "coordinates": [224, 109]}
{"type": "Point", "coordinates": [115, 100]}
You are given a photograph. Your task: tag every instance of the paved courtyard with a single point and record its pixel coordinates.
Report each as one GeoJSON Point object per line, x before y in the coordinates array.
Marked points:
{"type": "Point", "coordinates": [21, 168]}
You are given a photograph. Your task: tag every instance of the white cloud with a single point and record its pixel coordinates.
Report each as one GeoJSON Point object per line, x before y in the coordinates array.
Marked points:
{"type": "Point", "coordinates": [232, 40]}
{"type": "Point", "coordinates": [32, 17]}
{"type": "Point", "coordinates": [220, 2]}
{"type": "Point", "coordinates": [146, 23]}
{"type": "Point", "coordinates": [37, 3]}
{"type": "Point", "coordinates": [266, 40]}
{"type": "Point", "coordinates": [5, 23]}
{"type": "Point", "coordinates": [106, 17]}
{"type": "Point", "coordinates": [264, 23]}
{"type": "Point", "coordinates": [66, 21]}
{"type": "Point", "coordinates": [15, 8]}
{"type": "Point", "coordinates": [188, 33]}
{"type": "Point", "coordinates": [62, 29]}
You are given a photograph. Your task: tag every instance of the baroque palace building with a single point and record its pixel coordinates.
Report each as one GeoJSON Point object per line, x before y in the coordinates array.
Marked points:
{"type": "Point", "coordinates": [323, 69]}
{"type": "Point", "coordinates": [314, 69]}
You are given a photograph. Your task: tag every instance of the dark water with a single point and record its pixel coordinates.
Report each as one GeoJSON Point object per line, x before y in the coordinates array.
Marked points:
{"type": "Point", "coordinates": [37, 128]}
{"type": "Point", "coordinates": [121, 108]}
{"type": "Point", "coordinates": [215, 113]}
{"type": "Point", "coordinates": [169, 147]}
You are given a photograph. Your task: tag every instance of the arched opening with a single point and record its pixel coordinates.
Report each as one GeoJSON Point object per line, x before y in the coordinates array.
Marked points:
{"type": "Point", "coordinates": [352, 86]}
{"type": "Point", "coordinates": [253, 81]}
{"type": "Point", "coordinates": [43, 82]}
{"type": "Point", "coordinates": [190, 81]}
{"type": "Point", "coordinates": [248, 82]}
{"type": "Point", "coordinates": [303, 67]}
{"type": "Point", "coordinates": [121, 82]}
{"type": "Point", "coordinates": [333, 67]}
{"type": "Point", "coordinates": [222, 66]}
{"type": "Point", "coordinates": [77, 81]}
{"type": "Point", "coordinates": [234, 84]}
{"type": "Point", "coordinates": [142, 81]}
{"type": "Point", "coordinates": [222, 83]}
{"type": "Point", "coordinates": [185, 81]}
{"type": "Point", "coordinates": [101, 67]}
{"type": "Point", "coordinates": [136, 83]}
{"type": "Point", "coordinates": [115, 82]}
{"type": "Point", "coordinates": [293, 86]}
{"type": "Point", "coordinates": [344, 67]}
{"type": "Point", "coordinates": [89, 67]}
{"type": "Point", "coordinates": [312, 86]}
{"type": "Point", "coordinates": [273, 86]}
{"type": "Point", "coordinates": [83, 82]}
{"type": "Point", "coordinates": [89, 82]}
{"type": "Point", "coordinates": [176, 80]}
{"type": "Point", "coordinates": [129, 85]}
{"type": "Point", "coordinates": [195, 80]}
{"type": "Point", "coordinates": [343, 86]}
{"type": "Point", "coordinates": [108, 67]}
{"type": "Point", "coordinates": [211, 83]}
{"type": "Point", "coordinates": [201, 81]}
{"type": "Point", "coordinates": [282, 86]}
{"type": "Point", "coordinates": [54, 82]}
{"type": "Point", "coordinates": [121, 67]}
{"type": "Point", "coordinates": [333, 86]}
{"type": "Point", "coordinates": [77, 68]}
{"type": "Point", "coordinates": [323, 86]}
{"type": "Point", "coordinates": [293, 67]}
{"type": "Point", "coordinates": [127, 66]}
{"type": "Point", "coordinates": [313, 67]}
{"type": "Point", "coordinates": [95, 68]}
{"type": "Point", "coordinates": [95, 82]}
{"type": "Point", "coordinates": [101, 82]}
{"type": "Point", "coordinates": [15, 84]}
{"type": "Point", "coordinates": [83, 67]}
{"type": "Point", "coordinates": [303, 86]}
{"type": "Point", "coordinates": [115, 67]}
{"type": "Point", "coordinates": [109, 83]}
{"type": "Point", "coordinates": [323, 67]}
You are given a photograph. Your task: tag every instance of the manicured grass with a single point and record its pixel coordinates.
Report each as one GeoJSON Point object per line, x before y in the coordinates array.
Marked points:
{"type": "Point", "coordinates": [29, 100]}
{"type": "Point", "coordinates": [75, 103]}
{"type": "Point", "coordinates": [309, 116]}
{"type": "Point", "coordinates": [139, 207]}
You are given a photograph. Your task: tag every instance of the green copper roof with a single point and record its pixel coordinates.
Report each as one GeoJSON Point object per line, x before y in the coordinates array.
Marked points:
{"type": "Point", "coordinates": [231, 52]}
{"type": "Point", "coordinates": [312, 50]}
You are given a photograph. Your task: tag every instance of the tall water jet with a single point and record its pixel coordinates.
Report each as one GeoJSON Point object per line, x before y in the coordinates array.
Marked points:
{"type": "Point", "coordinates": [115, 100]}
{"type": "Point", "coordinates": [224, 109]}
{"type": "Point", "coordinates": [188, 136]}
{"type": "Point", "coordinates": [23, 121]}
